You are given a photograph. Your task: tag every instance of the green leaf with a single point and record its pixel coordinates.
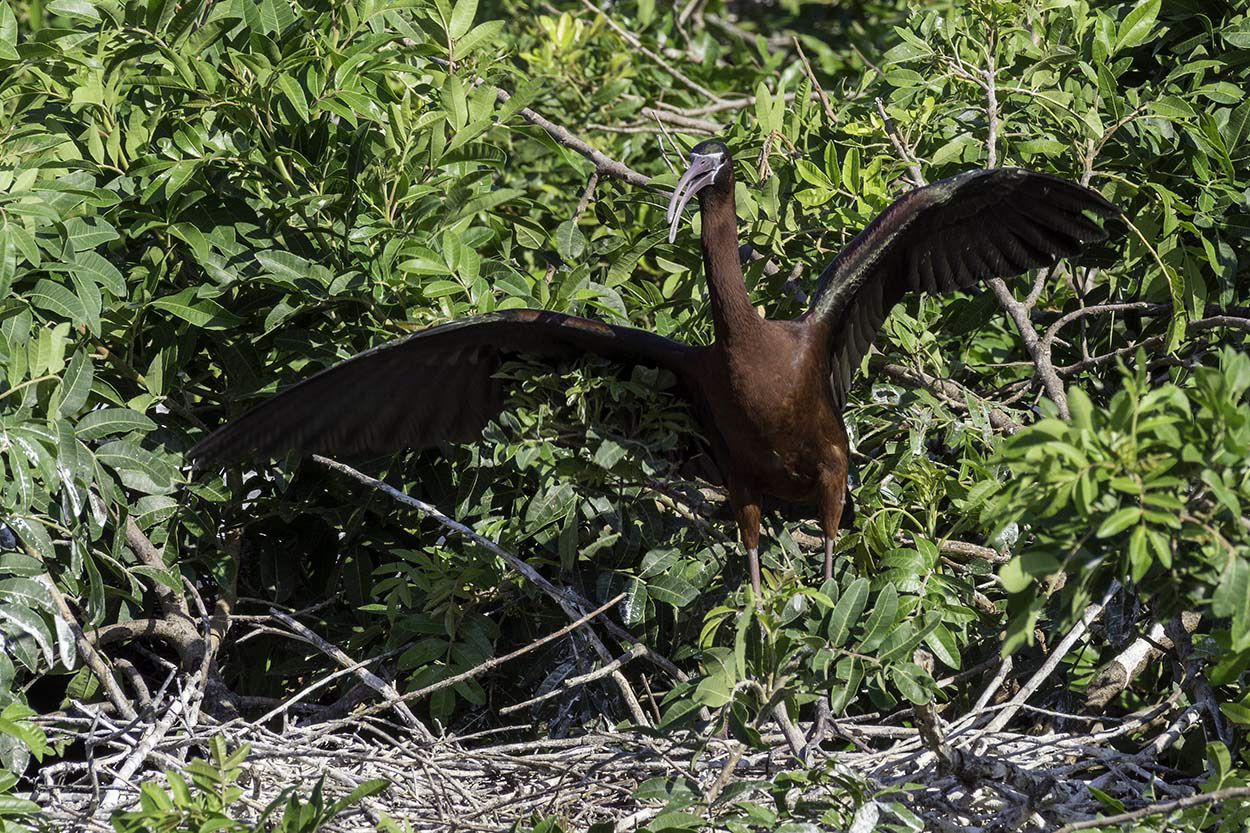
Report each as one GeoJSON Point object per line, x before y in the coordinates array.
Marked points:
{"type": "Point", "coordinates": [34, 535]}
{"type": "Point", "coordinates": [8, 257]}
{"type": "Point", "coordinates": [1236, 712]}
{"type": "Point", "coordinates": [8, 37]}
{"type": "Point", "coordinates": [942, 642]}
{"type": "Point", "coordinates": [101, 272]}
{"type": "Point", "coordinates": [672, 589]}
{"type": "Point", "coordinates": [1232, 600]}
{"type": "Point", "coordinates": [108, 421]}
{"type": "Point", "coordinates": [76, 383]}
{"type": "Point", "coordinates": [73, 8]}
{"type": "Point", "coordinates": [31, 623]}
{"type": "Point", "coordinates": [1119, 521]}
{"type": "Point", "coordinates": [1137, 25]}
{"type": "Point", "coordinates": [623, 266]}
{"type": "Point", "coordinates": [812, 174]}
{"type": "Point", "coordinates": [461, 18]}
{"type": "Point", "coordinates": [1172, 107]}
{"type": "Point", "coordinates": [479, 35]}
{"type": "Point", "coordinates": [204, 313]}
{"type": "Point", "coordinates": [880, 620]}
{"type": "Point", "coordinates": [57, 299]}
{"type": "Point", "coordinates": [570, 242]}
{"type": "Point", "coordinates": [295, 94]}
{"type": "Point", "coordinates": [847, 611]}
{"type": "Point", "coordinates": [27, 592]}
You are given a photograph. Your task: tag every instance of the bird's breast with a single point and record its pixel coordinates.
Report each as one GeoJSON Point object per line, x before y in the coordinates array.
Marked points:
{"type": "Point", "coordinates": [773, 408]}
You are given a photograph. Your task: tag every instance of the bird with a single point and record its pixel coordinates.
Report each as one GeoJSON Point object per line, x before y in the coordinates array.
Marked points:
{"type": "Point", "coordinates": [768, 394]}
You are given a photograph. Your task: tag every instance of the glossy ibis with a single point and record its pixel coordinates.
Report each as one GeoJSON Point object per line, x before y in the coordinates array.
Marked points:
{"type": "Point", "coordinates": [768, 394]}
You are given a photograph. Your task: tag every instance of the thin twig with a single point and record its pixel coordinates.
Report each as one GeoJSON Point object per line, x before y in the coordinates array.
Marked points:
{"type": "Point", "coordinates": [1160, 807]}
{"type": "Point", "coordinates": [366, 676]}
{"type": "Point", "coordinates": [573, 604]}
{"type": "Point", "coordinates": [633, 41]}
{"type": "Point", "coordinates": [603, 163]}
{"type": "Point", "coordinates": [1056, 656]}
{"type": "Point", "coordinates": [900, 147]}
{"type": "Point", "coordinates": [811, 76]}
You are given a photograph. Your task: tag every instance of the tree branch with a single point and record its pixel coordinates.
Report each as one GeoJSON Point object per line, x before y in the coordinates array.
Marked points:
{"type": "Point", "coordinates": [573, 604]}
{"type": "Point", "coordinates": [603, 163]}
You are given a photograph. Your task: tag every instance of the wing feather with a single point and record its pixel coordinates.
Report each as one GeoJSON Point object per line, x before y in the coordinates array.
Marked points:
{"type": "Point", "coordinates": [435, 385]}
{"type": "Point", "coordinates": [945, 236]}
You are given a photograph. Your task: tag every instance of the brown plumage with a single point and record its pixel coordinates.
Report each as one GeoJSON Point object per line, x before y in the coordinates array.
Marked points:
{"type": "Point", "coordinates": [768, 394]}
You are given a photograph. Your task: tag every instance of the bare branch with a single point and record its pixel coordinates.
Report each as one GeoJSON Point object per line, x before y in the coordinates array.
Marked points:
{"type": "Point", "coordinates": [1052, 662]}
{"type": "Point", "coordinates": [603, 163]}
{"type": "Point", "coordinates": [172, 602]}
{"type": "Point", "coordinates": [816, 88]}
{"type": "Point", "coordinates": [900, 147]}
{"type": "Point", "coordinates": [366, 676]}
{"type": "Point", "coordinates": [1157, 808]}
{"type": "Point", "coordinates": [571, 602]}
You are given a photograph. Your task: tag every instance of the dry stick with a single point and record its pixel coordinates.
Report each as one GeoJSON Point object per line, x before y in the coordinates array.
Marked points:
{"type": "Point", "coordinates": [218, 625]}
{"type": "Point", "coordinates": [811, 76]}
{"type": "Point", "coordinates": [172, 602]}
{"type": "Point", "coordinates": [991, 110]}
{"type": "Point", "coordinates": [286, 704]}
{"type": "Point", "coordinates": [1152, 342]}
{"type": "Point", "coordinates": [794, 738]}
{"type": "Point", "coordinates": [678, 120]}
{"type": "Point", "coordinates": [573, 604]}
{"type": "Point", "coordinates": [1160, 807]}
{"type": "Point", "coordinates": [482, 668]}
{"type": "Point", "coordinates": [900, 147]}
{"type": "Point", "coordinates": [1061, 650]}
{"type": "Point", "coordinates": [1000, 676]}
{"type": "Point", "coordinates": [603, 163]}
{"type": "Point", "coordinates": [722, 105]}
{"type": "Point", "coordinates": [950, 392]}
{"type": "Point", "coordinates": [570, 683]}
{"type": "Point", "coordinates": [1041, 359]}
{"type": "Point", "coordinates": [154, 735]}
{"type": "Point", "coordinates": [366, 676]}
{"type": "Point", "coordinates": [633, 41]}
{"type": "Point", "coordinates": [1126, 666]}
{"type": "Point", "coordinates": [1229, 316]}
{"type": "Point", "coordinates": [95, 661]}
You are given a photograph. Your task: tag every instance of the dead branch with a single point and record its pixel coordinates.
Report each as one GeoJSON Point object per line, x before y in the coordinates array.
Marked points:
{"type": "Point", "coordinates": [1056, 656]}
{"type": "Point", "coordinates": [573, 604]}
{"type": "Point", "coordinates": [603, 163]}
{"type": "Point", "coordinates": [1125, 667]}
{"type": "Point", "coordinates": [1157, 808]}
{"type": "Point", "coordinates": [367, 677]}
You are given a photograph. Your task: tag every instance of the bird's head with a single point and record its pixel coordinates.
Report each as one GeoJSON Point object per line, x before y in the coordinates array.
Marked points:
{"type": "Point", "coordinates": [711, 170]}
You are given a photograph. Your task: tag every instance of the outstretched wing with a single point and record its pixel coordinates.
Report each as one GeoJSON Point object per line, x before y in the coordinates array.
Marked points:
{"type": "Point", "coordinates": [947, 236]}
{"type": "Point", "coordinates": [434, 385]}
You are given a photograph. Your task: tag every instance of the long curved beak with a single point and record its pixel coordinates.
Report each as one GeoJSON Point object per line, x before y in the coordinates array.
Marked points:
{"type": "Point", "coordinates": [701, 172]}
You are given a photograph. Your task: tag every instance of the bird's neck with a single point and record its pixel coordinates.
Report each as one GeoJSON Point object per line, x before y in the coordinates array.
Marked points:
{"type": "Point", "coordinates": [732, 313]}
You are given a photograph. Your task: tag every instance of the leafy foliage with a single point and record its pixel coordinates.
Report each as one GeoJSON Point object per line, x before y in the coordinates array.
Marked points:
{"type": "Point", "coordinates": [202, 202]}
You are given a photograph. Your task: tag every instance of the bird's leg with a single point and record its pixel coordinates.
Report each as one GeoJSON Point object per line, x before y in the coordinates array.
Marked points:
{"type": "Point", "coordinates": [747, 512]}
{"type": "Point", "coordinates": [832, 501]}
